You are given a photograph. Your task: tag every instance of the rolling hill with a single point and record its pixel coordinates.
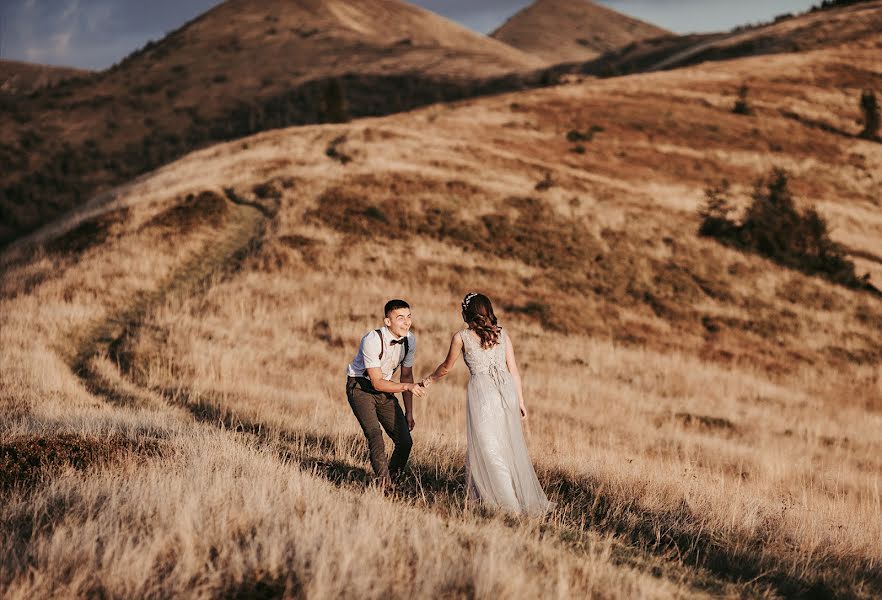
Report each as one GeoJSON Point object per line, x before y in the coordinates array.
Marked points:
{"type": "Point", "coordinates": [246, 67]}
{"type": "Point", "coordinates": [561, 31]}
{"type": "Point", "coordinates": [25, 78]}
{"type": "Point", "coordinates": [243, 67]}
{"type": "Point", "coordinates": [706, 418]}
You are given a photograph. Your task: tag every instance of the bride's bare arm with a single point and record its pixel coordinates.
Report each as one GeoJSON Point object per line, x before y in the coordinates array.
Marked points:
{"type": "Point", "coordinates": [452, 356]}
{"type": "Point", "coordinates": [512, 365]}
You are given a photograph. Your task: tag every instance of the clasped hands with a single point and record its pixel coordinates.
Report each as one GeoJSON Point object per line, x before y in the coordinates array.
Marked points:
{"type": "Point", "coordinates": [420, 389]}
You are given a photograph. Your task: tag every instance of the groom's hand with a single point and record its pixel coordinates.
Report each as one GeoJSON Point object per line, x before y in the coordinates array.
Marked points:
{"type": "Point", "coordinates": [410, 422]}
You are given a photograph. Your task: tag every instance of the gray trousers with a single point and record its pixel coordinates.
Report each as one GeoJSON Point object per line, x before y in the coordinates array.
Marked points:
{"type": "Point", "coordinates": [375, 412]}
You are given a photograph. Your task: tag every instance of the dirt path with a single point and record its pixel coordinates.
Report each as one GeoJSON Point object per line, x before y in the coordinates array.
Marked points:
{"type": "Point", "coordinates": [243, 230]}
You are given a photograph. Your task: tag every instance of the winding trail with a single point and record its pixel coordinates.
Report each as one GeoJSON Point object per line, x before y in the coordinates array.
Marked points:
{"type": "Point", "coordinates": [244, 229]}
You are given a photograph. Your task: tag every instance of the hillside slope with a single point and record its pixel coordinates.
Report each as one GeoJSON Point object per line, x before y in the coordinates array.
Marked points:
{"type": "Point", "coordinates": [803, 32]}
{"type": "Point", "coordinates": [243, 67]}
{"type": "Point", "coordinates": [706, 419]}
{"type": "Point", "coordinates": [561, 31]}
{"type": "Point", "coordinates": [24, 78]}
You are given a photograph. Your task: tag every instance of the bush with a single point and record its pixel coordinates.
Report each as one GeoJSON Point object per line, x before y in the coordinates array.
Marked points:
{"type": "Point", "coordinates": [773, 227]}
{"type": "Point", "coordinates": [333, 150]}
{"type": "Point", "coordinates": [546, 184]}
{"type": "Point", "coordinates": [870, 109]}
{"type": "Point", "coordinates": [742, 107]}
{"type": "Point", "coordinates": [574, 135]}
{"type": "Point", "coordinates": [715, 221]}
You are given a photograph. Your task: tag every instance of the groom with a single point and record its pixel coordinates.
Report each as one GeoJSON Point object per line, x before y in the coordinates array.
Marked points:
{"type": "Point", "coordinates": [370, 389]}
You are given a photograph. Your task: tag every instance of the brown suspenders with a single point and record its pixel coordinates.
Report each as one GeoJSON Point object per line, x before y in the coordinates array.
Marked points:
{"type": "Point", "coordinates": [383, 348]}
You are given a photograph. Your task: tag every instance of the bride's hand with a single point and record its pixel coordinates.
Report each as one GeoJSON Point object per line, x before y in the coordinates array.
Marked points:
{"type": "Point", "coordinates": [523, 411]}
{"type": "Point", "coordinates": [426, 381]}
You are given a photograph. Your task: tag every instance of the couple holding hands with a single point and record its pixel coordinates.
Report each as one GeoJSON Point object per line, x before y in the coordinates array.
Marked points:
{"type": "Point", "coordinates": [498, 468]}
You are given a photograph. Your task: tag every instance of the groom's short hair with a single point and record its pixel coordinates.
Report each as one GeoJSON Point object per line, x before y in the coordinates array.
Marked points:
{"type": "Point", "coordinates": [394, 305]}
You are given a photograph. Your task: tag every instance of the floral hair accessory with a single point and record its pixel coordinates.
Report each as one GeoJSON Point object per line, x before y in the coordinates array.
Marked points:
{"type": "Point", "coordinates": [467, 299]}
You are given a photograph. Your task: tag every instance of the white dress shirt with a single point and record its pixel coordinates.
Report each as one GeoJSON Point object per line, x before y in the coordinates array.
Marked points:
{"type": "Point", "coordinates": [368, 355]}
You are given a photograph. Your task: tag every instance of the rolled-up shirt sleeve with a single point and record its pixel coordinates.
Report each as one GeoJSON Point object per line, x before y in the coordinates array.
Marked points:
{"type": "Point", "coordinates": [370, 350]}
{"type": "Point", "coordinates": [411, 351]}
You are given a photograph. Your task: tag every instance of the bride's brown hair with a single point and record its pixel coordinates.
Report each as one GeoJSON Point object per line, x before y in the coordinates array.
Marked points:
{"type": "Point", "coordinates": [477, 311]}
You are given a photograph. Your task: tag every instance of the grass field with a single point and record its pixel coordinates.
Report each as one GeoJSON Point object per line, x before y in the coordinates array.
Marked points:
{"type": "Point", "coordinates": [174, 417]}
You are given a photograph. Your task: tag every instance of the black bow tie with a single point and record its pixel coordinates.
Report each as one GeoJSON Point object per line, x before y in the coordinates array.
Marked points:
{"type": "Point", "coordinates": [393, 342]}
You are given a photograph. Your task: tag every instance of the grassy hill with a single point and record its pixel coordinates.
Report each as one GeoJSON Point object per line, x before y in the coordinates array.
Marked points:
{"type": "Point", "coordinates": [243, 67]}
{"type": "Point", "coordinates": [561, 31]}
{"type": "Point", "coordinates": [706, 419]}
{"type": "Point", "coordinates": [21, 78]}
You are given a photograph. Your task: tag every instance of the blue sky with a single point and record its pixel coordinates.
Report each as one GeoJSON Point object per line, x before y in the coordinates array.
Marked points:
{"type": "Point", "coordinates": [94, 34]}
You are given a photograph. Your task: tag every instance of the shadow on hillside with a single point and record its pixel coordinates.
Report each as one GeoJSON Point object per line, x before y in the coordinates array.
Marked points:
{"type": "Point", "coordinates": [321, 455]}
{"type": "Point", "coordinates": [25, 462]}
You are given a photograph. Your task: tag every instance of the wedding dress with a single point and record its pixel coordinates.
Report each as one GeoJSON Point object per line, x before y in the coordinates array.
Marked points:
{"type": "Point", "coordinates": [498, 467]}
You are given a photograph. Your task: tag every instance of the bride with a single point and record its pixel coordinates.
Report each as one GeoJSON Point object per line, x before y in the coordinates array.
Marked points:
{"type": "Point", "coordinates": [498, 467]}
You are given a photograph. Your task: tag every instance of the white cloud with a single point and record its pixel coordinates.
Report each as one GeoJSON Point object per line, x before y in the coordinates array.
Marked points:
{"type": "Point", "coordinates": [56, 47]}
{"type": "Point", "coordinates": [98, 18]}
{"type": "Point", "coordinates": [71, 11]}
{"type": "Point", "coordinates": [61, 43]}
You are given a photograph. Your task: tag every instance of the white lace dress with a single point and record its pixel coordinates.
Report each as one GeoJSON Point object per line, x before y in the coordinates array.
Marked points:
{"type": "Point", "coordinates": [498, 466]}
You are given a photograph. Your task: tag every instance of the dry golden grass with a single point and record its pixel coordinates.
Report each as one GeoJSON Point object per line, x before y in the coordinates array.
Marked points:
{"type": "Point", "coordinates": [707, 421]}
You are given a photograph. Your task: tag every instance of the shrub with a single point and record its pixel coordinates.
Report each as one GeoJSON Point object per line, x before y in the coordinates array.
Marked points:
{"type": "Point", "coordinates": [715, 212]}
{"type": "Point", "coordinates": [870, 109]}
{"type": "Point", "coordinates": [574, 135]}
{"type": "Point", "coordinates": [333, 150]}
{"type": "Point", "coordinates": [773, 227]}
{"type": "Point", "coordinates": [546, 183]}
{"type": "Point", "coordinates": [742, 107]}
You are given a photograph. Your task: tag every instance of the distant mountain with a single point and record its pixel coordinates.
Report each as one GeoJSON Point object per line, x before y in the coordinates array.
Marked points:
{"type": "Point", "coordinates": [245, 66]}
{"type": "Point", "coordinates": [561, 31]}
{"type": "Point", "coordinates": [23, 78]}
{"type": "Point", "coordinates": [860, 23]}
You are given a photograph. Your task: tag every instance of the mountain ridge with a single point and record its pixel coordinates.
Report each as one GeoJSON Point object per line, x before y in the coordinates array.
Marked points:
{"type": "Point", "coordinates": [241, 67]}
